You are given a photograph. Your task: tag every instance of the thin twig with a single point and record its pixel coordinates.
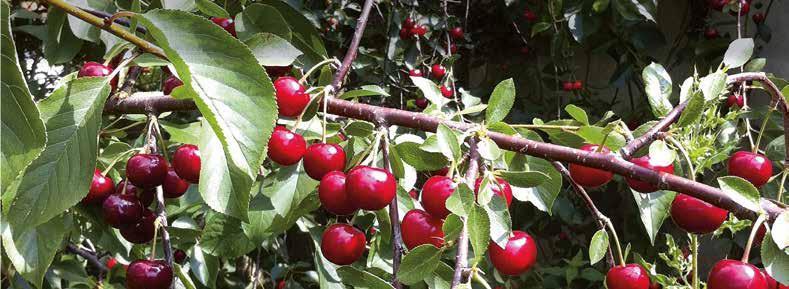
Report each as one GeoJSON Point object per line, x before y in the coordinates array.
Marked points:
{"type": "Point", "coordinates": [353, 49]}
{"type": "Point", "coordinates": [88, 256]}
{"type": "Point", "coordinates": [394, 214]}
{"type": "Point", "coordinates": [461, 257]}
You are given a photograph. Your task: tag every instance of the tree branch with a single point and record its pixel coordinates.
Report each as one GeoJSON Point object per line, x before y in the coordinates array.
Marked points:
{"type": "Point", "coordinates": [461, 257]}
{"type": "Point", "coordinates": [394, 215]}
{"type": "Point", "coordinates": [647, 138]}
{"type": "Point", "coordinates": [88, 256]}
{"type": "Point", "coordinates": [120, 21]}
{"type": "Point", "coordinates": [350, 55]}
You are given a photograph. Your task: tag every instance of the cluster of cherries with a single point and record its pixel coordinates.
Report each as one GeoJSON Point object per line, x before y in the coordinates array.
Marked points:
{"type": "Point", "coordinates": [411, 29]}
{"type": "Point", "coordinates": [758, 17]}
{"type": "Point", "coordinates": [572, 85]}
{"type": "Point", "coordinates": [438, 72]}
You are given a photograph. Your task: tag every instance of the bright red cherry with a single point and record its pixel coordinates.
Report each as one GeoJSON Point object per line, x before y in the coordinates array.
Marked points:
{"type": "Point", "coordinates": [408, 23]}
{"type": "Point", "coordinates": [96, 69]}
{"type": "Point", "coordinates": [567, 85]}
{"type": "Point", "coordinates": [145, 196]}
{"type": "Point", "coordinates": [438, 71]}
{"type": "Point", "coordinates": [174, 186]}
{"type": "Point", "coordinates": [142, 231]}
{"type": "Point", "coordinates": [342, 244]}
{"type": "Point", "coordinates": [186, 163]}
{"type": "Point", "coordinates": [100, 188]}
{"type": "Point", "coordinates": [771, 283]}
{"type": "Point", "coordinates": [421, 228]}
{"type": "Point", "coordinates": [518, 257]}
{"type": "Point", "coordinates": [711, 33]}
{"type": "Point", "coordinates": [591, 177]}
{"type": "Point", "coordinates": [578, 85]}
{"type": "Point", "coordinates": [446, 91]}
{"type": "Point", "coordinates": [754, 167]}
{"type": "Point", "coordinates": [733, 274]}
{"type": "Point", "coordinates": [226, 23]}
{"type": "Point", "coordinates": [179, 256]}
{"type": "Point", "coordinates": [415, 72]}
{"type": "Point", "coordinates": [735, 100]}
{"type": "Point", "coordinates": [642, 186]}
{"type": "Point", "coordinates": [278, 71]}
{"type": "Point", "coordinates": [333, 195]}
{"type": "Point", "coordinates": [421, 102]}
{"type": "Point", "coordinates": [122, 210]}
{"type": "Point", "coordinates": [419, 30]}
{"type": "Point", "coordinates": [149, 274]}
{"type": "Point", "coordinates": [322, 158]}
{"type": "Point", "coordinates": [285, 147]}
{"type": "Point", "coordinates": [405, 33]}
{"type": "Point", "coordinates": [456, 33]}
{"type": "Point", "coordinates": [371, 188]}
{"type": "Point", "coordinates": [630, 276]}
{"type": "Point", "coordinates": [146, 170]}
{"type": "Point", "coordinates": [529, 15]}
{"type": "Point", "coordinates": [111, 262]}
{"type": "Point", "coordinates": [435, 192]}
{"type": "Point", "coordinates": [171, 83]}
{"type": "Point", "coordinates": [414, 194]}
{"type": "Point", "coordinates": [696, 216]}
{"type": "Point", "coordinates": [502, 189]}
{"type": "Point", "coordinates": [758, 17]}
{"type": "Point", "coordinates": [291, 96]}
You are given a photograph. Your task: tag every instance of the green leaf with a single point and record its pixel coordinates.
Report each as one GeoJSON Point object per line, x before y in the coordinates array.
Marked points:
{"type": "Point", "coordinates": [305, 36]}
{"type": "Point", "coordinates": [211, 9]}
{"type": "Point", "coordinates": [686, 89]}
{"type": "Point", "coordinates": [223, 237]}
{"type": "Point", "coordinates": [31, 250]}
{"type": "Point", "coordinates": [60, 177]}
{"type": "Point", "coordinates": [657, 85]}
{"type": "Point", "coordinates": [596, 134]}
{"type": "Point", "coordinates": [600, 5]}
{"type": "Point", "coordinates": [478, 232]}
{"type": "Point", "coordinates": [360, 128]}
{"type": "Point", "coordinates": [713, 85]}
{"type": "Point", "coordinates": [183, 5]}
{"type": "Point", "coordinates": [419, 264]}
{"type": "Point", "coordinates": [654, 208]}
{"type": "Point", "coordinates": [693, 111]}
{"type": "Point", "coordinates": [61, 45]}
{"type": "Point", "coordinates": [738, 53]}
{"type": "Point", "coordinates": [234, 95]}
{"type": "Point", "coordinates": [539, 27]}
{"type": "Point", "coordinates": [412, 154]}
{"type": "Point", "coordinates": [598, 246]}
{"type": "Point", "coordinates": [543, 195]}
{"type": "Point", "coordinates": [524, 179]}
{"type": "Point", "coordinates": [85, 30]}
{"type": "Point", "coordinates": [188, 133]}
{"type": "Point", "coordinates": [272, 50]}
{"type": "Point", "coordinates": [430, 90]}
{"type": "Point", "coordinates": [488, 149]}
{"type": "Point", "coordinates": [775, 260]}
{"type": "Point", "coordinates": [780, 230]}
{"type": "Point", "coordinates": [365, 90]}
{"type": "Point", "coordinates": [461, 202]}
{"type": "Point", "coordinates": [500, 220]}
{"type": "Point", "coordinates": [23, 135]}
{"type": "Point", "coordinates": [204, 267]}
{"type": "Point", "coordinates": [501, 101]}
{"type": "Point", "coordinates": [259, 18]}
{"type": "Point", "coordinates": [223, 187]}
{"type": "Point", "coordinates": [742, 191]}
{"type": "Point", "coordinates": [448, 142]}
{"type": "Point", "coordinates": [577, 113]}
{"type": "Point", "coordinates": [660, 154]}
{"type": "Point", "coordinates": [359, 278]}
{"type": "Point", "coordinates": [452, 227]}
{"type": "Point", "coordinates": [755, 65]}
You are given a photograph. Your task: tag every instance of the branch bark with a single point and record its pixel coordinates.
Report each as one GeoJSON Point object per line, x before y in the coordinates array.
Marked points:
{"type": "Point", "coordinates": [461, 257]}
{"type": "Point", "coordinates": [394, 215]}
{"type": "Point", "coordinates": [350, 55]}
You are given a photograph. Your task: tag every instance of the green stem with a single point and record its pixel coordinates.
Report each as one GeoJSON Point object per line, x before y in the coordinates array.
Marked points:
{"type": "Point", "coordinates": [610, 226]}
{"type": "Point", "coordinates": [316, 66]}
{"type": "Point", "coordinates": [755, 148]}
{"type": "Point", "coordinates": [123, 128]}
{"type": "Point", "coordinates": [694, 247]}
{"type": "Point", "coordinates": [754, 230]}
{"type": "Point", "coordinates": [692, 171]}
{"type": "Point", "coordinates": [783, 183]}
{"type": "Point", "coordinates": [546, 126]}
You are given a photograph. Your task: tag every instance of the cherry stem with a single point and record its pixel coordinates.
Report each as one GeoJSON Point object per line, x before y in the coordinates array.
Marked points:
{"type": "Point", "coordinates": [781, 187]}
{"type": "Point", "coordinates": [694, 249]}
{"type": "Point", "coordinates": [673, 141]}
{"type": "Point", "coordinates": [610, 226]}
{"type": "Point", "coordinates": [602, 143]}
{"type": "Point", "coordinates": [754, 230]}
{"type": "Point", "coordinates": [326, 92]}
{"type": "Point", "coordinates": [318, 65]}
{"type": "Point", "coordinates": [115, 161]}
{"type": "Point", "coordinates": [755, 148]}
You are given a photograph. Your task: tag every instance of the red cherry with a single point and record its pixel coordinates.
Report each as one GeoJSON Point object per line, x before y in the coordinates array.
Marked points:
{"type": "Point", "coordinates": [746, 7]}
{"type": "Point", "coordinates": [446, 91]}
{"type": "Point", "coordinates": [502, 189]}
{"type": "Point", "coordinates": [759, 237]}
{"type": "Point", "coordinates": [419, 30]}
{"type": "Point", "coordinates": [453, 48]}
{"type": "Point", "coordinates": [291, 96]}
{"type": "Point", "coordinates": [630, 276]}
{"type": "Point", "coordinates": [146, 196]}
{"type": "Point", "coordinates": [754, 167]}
{"type": "Point", "coordinates": [371, 188]}
{"type": "Point", "coordinates": [518, 257]}
{"type": "Point", "coordinates": [100, 188]}
{"type": "Point", "coordinates": [525, 50]}
{"type": "Point", "coordinates": [591, 177]}
{"type": "Point", "coordinates": [111, 262]}
{"type": "Point", "coordinates": [414, 194]}
{"type": "Point", "coordinates": [735, 100]}
{"type": "Point", "coordinates": [711, 33]}
{"type": "Point", "coordinates": [421, 103]}
{"type": "Point", "coordinates": [179, 256]}
{"type": "Point", "coordinates": [149, 274]}
{"type": "Point", "coordinates": [529, 15]}
{"type": "Point", "coordinates": [278, 71]}
{"type": "Point", "coordinates": [332, 22]}
{"type": "Point", "coordinates": [121, 210]}
{"type": "Point", "coordinates": [733, 274]}
{"type": "Point", "coordinates": [771, 283]}
{"type": "Point", "coordinates": [567, 85]}
{"type": "Point", "coordinates": [281, 284]}
{"type": "Point", "coordinates": [285, 147]}
{"type": "Point", "coordinates": [409, 23]}
{"type": "Point", "coordinates": [142, 231]}
{"type": "Point", "coordinates": [578, 85]}
{"type": "Point", "coordinates": [696, 216]}
{"type": "Point", "coordinates": [146, 170]}
{"type": "Point", "coordinates": [642, 186]}
{"type": "Point", "coordinates": [758, 17]}
{"type": "Point", "coordinates": [415, 72]}
{"type": "Point", "coordinates": [322, 158]}
{"type": "Point", "coordinates": [435, 192]}
{"type": "Point", "coordinates": [456, 33]}
{"type": "Point", "coordinates": [95, 69]}
{"type": "Point", "coordinates": [405, 33]}
{"type": "Point", "coordinates": [186, 163]}
{"type": "Point", "coordinates": [438, 71]}
{"type": "Point", "coordinates": [342, 244]}
{"type": "Point", "coordinates": [226, 23]}
{"type": "Point", "coordinates": [174, 186]}
{"type": "Point", "coordinates": [440, 172]}
{"type": "Point", "coordinates": [421, 228]}
{"type": "Point", "coordinates": [171, 83]}
{"type": "Point", "coordinates": [334, 198]}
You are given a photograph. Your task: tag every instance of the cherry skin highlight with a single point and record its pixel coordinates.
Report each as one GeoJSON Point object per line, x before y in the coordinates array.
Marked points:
{"type": "Point", "coordinates": [630, 276]}
{"type": "Point", "coordinates": [419, 228]}
{"type": "Point", "coordinates": [456, 33]}
{"type": "Point", "coordinates": [501, 189]}
{"type": "Point", "coordinates": [333, 195]}
{"type": "Point", "coordinates": [371, 188]}
{"type": "Point", "coordinates": [696, 216]}
{"type": "Point", "coordinates": [286, 147]}
{"type": "Point", "coordinates": [149, 274]}
{"type": "Point", "coordinates": [100, 188]}
{"type": "Point", "coordinates": [590, 177]}
{"type": "Point", "coordinates": [421, 102]}
{"type": "Point", "coordinates": [342, 244]}
{"type": "Point", "coordinates": [186, 163]}
{"type": "Point", "coordinates": [446, 91]}
{"type": "Point", "coordinates": [734, 274]}
{"type": "Point", "coordinates": [642, 186]}
{"type": "Point", "coordinates": [141, 232]}
{"type": "Point", "coordinates": [146, 170]}
{"type": "Point", "coordinates": [291, 96]}
{"type": "Point", "coordinates": [121, 210]}
{"type": "Point", "coordinates": [322, 158]}
{"type": "Point", "coordinates": [754, 167]}
{"type": "Point", "coordinates": [518, 257]}
{"type": "Point", "coordinates": [435, 192]}
{"type": "Point", "coordinates": [415, 72]}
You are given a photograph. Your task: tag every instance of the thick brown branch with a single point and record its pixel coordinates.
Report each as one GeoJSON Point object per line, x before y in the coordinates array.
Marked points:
{"type": "Point", "coordinates": [461, 257]}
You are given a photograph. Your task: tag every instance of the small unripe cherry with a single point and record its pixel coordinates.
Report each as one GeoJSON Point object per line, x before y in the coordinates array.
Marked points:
{"type": "Point", "coordinates": [141, 232]}
{"type": "Point", "coordinates": [419, 228]}
{"type": "Point", "coordinates": [149, 274]}
{"type": "Point", "coordinates": [186, 163]}
{"type": "Point", "coordinates": [291, 96]}
{"type": "Point", "coordinates": [146, 170]}
{"type": "Point", "coordinates": [435, 192]}
{"type": "Point", "coordinates": [438, 71]}
{"type": "Point", "coordinates": [333, 195]}
{"type": "Point", "coordinates": [501, 188]}
{"type": "Point", "coordinates": [171, 83]}
{"type": "Point", "coordinates": [226, 23]}
{"type": "Point", "coordinates": [630, 276]}
{"type": "Point", "coordinates": [642, 186]}
{"type": "Point", "coordinates": [100, 188]}
{"type": "Point", "coordinates": [590, 177]}
{"type": "Point", "coordinates": [371, 188]}
{"type": "Point", "coordinates": [696, 216]}
{"type": "Point", "coordinates": [753, 167]}
{"type": "Point", "coordinates": [322, 158]}
{"type": "Point", "coordinates": [174, 186]}
{"type": "Point", "coordinates": [121, 210]}
{"type": "Point", "coordinates": [415, 72]}
{"type": "Point", "coordinates": [518, 256]}
{"type": "Point", "coordinates": [446, 91]}
{"type": "Point", "coordinates": [286, 147]}
{"type": "Point", "coordinates": [456, 33]}
{"type": "Point", "coordinates": [342, 244]}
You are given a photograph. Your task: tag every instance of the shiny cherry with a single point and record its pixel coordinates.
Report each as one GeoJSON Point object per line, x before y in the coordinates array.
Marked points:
{"type": "Point", "coordinates": [291, 96]}
{"type": "Point", "coordinates": [286, 147]}
{"type": "Point", "coordinates": [146, 196]}
{"type": "Point", "coordinates": [142, 231]}
{"type": "Point", "coordinates": [438, 71]}
{"type": "Point", "coordinates": [517, 257]}
{"type": "Point", "coordinates": [96, 69]}
{"type": "Point", "coordinates": [642, 186]}
{"type": "Point", "coordinates": [421, 102]}
{"type": "Point", "coordinates": [111, 262]}
{"type": "Point", "coordinates": [174, 186]}
{"type": "Point", "coordinates": [371, 188]}
{"type": "Point", "coordinates": [734, 274]}
{"type": "Point", "coordinates": [179, 256]}
{"type": "Point", "coordinates": [435, 192]}
{"type": "Point", "coordinates": [630, 276]}
{"type": "Point", "coordinates": [146, 170]}
{"type": "Point", "coordinates": [735, 101]}
{"type": "Point", "coordinates": [100, 188]}
{"type": "Point", "coordinates": [333, 196]}
{"type": "Point", "coordinates": [186, 163]}
{"type": "Point", "coordinates": [226, 23]}
{"type": "Point", "coordinates": [501, 189]}
{"type": "Point", "coordinates": [121, 210]}
{"type": "Point", "coordinates": [149, 274]}
{"type": "Point", "coordinates": [446, 91]}
{"type": "Point", "coordinates": [711, 33]}
{"type": "Point", "coordinates": [529, 15]}
{"type": "Point", "coordinates": [578, 85]}
{"type": "Point", "coordinates": [419, 228]}
{"type": "Point", "coordinates": [415, 72]}
{"type": "Point", "coordinates": [409, 23]}
{"type": "Point", "coordinates": [754, 167]}
{"type": "Point", "coordinates": [171, 83]}
{"type": "Point", "coordinates": [591, 177]}
{"type": "Point", "coordinates": [456, 33]}
{"type": "Point", "coordinates": [696, 216]}
{"type": "Point", "coordinates": [419, 30]}
{"type": "Point", "coordinates": [322, 158]}
{"type": "Point", "coordinates": [342, 244]}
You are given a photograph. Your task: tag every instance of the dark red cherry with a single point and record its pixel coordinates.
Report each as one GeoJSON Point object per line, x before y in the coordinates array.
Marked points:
{"type": "Point", "coordinates": [754, 167]}
{"type": "Point", "coordinates": [278, 71]}
{"type": "Point", "coordinates": [371, 188]}
{"type": "Point", "coordinates": [334, 198]}
{"type": "Point", "coordinates": [226, 23]}
{"type": "Point", "coordinates": [174, 186]}
{"type": "Point", "coordinates": [171, 83]}
{"type": "Point", "coordinates": [146, 170]}
{"type": "Point", "coordinates": [529, 15]}
{"type": "Point", "coordinates": [149, 274]}
{"type": "Point", "coordinates": [291, 96]}
{"type": "Point", "coordinates": [453, 48]}
{"type": "Point", "coordinates": [142, 231]}
{"type": "Point", "coordinates": [421, 228]}
{"type": "Point", "coordinates": [322, 158]}
{"type": "Point", "coordinates": [735, 101]}
{"type": "Point", "coordinates": [179, 256]}
{"type": "Point", "coordinates": [100, 188]}
{"type": "Point", "coordinates": [578, 85]}
{"type": "Point", "coordinates": [758, 17]}
{"type": "Point", "coordinates": [435, 192]}
{"type": "Point", "coordinates": [630, 276]}
{"type": "Point", "coordinates": [122, 210]}
{"type": "Point", "coordinates": [759, 237]}
{"type": "Point", "coordinates": [456, 33]}
{"type": "Point", "coordinates": [525, 50]}
{"type": "Point", "coordinates": [419, 30]}
{"type": "Point", "coordinates": [733, 274]}
{"type": "Point", "coordinates": [342, 244]}
{"type": "Point", "coordinates": [421, 102]}
{"type": "Point", "coordinates": [285, 147]}
{"type": "Point", "coordinates": [281, 284]}
{"type": "Point", "coordinates": [186, 163]}
{"type": "Point", "coordinates": [438, 71]}
{"type": "Point", "coordinates": [642, 186]}
{"type": "Point", "coordinates": [696, 216]}
{"type": "Point", "coordinates": [517, 257]}
{"type": "Point", "coordinates": [501, 189]}
{"type": "Point", "coordinates": [405, 33]}
{"type": "Point", "coordinates": [415, 72]}
{"type": "Point", "coordinates": [440, 172]}
{"type": "Point", "coordinates": [409, 23]}
{"type": "Point", "coordinates": [711, 33]}
{"type": "Point", "coordinates": [447, 91]}
{"type": "Point", "coordinates": [96, 69]}
{"type": "Point", "coordinates": [567, 85]}
{"type": "Point", "coordinates": [591, 177]}
{"type": "Point", "coordinates": [146, 196]}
